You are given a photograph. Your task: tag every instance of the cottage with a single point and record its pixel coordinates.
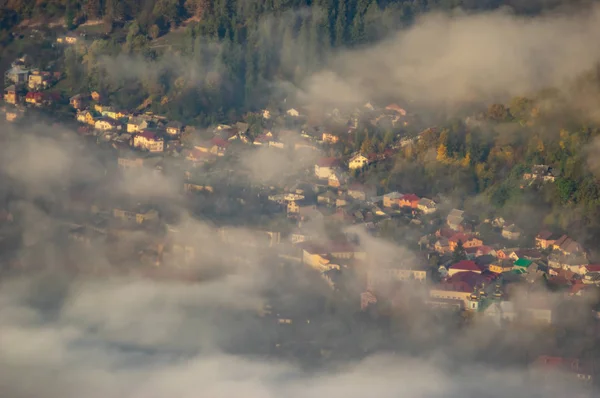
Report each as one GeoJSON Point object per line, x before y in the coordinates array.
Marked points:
{"type": "Point", "coordinates": [409, 200]}
{"type": "Point", "coordinates": [391, 199]}
{"type": "Point", "coordinates": [468, 241]}
{"type": "Point", "coordinates": [149, 140]}
{"type": "Point", "coordinates": [461, 286]}
{"type": "Point", "coordinates": [96, 96]}
{"type": "Point", "coordinates": [545, 239]}
{"type": "Point", "coordinates": [464, 266]}
{"type": "Point", "coordinates": [511, 232]}
{"type": "Point", "coordinates": [337, 178]}
{"type": "Point", "coordinates": [325, 167]}
{"type": "Point", "coordinates": [330, 138]}
{"type": "Point", "coordinates": [360, 192]}
{"type": "Point", "coordinates": [358, 161]}
{"type": "Point", "coordinates": [39, 80]}
{"type": "Point", "coordinates": [174, 128]}
{"type": "Point", "coordinates": [141, 214]}
{"type": "Point", "coordinates": [567, 246]}
{"type": "Point", "coordinates": [10, 95]}
{"type": "Point", "coordinates": [137, 124]}
{"type": "Point", "coordinates": [455, 219]}
{"type": "Point", "coordinates": [105, 124]}
{"type": "Point", "coordinates": [427, 206]}
{"type": "Point", "coordinates": [77, 102]}
{"type": "Point", "coordinates": [501, 266]}
{"type": "Point", "coordinates": [293, 112]}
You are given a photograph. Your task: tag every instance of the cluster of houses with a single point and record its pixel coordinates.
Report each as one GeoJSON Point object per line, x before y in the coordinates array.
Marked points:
{"type": "Point", "coordinates": [26, 85]}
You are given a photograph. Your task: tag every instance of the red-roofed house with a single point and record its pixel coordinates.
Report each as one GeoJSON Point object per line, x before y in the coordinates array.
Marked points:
{"type": "Point", "coordinates": [462, 266]}
{"type": "Point", "coordinates": [149, 141]}
{"type": "Point", "coordinates": [409, 200]}
{"type": "Point", "coordinates": [325, 167]}
{"type": "Point", "coordinates": [460, 285]}
{"type": "Point", "coordinates": [591, 268]}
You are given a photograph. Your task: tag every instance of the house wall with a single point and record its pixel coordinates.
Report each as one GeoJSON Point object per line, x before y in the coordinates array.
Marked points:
{"type": "Point", "coordinates": [450, 294]}
{"type": "Point", "coordinates": [149, 144]}
{"type": "Point", "coordinates": [357, 163]}
{"type": "Point", "coordinates": [323, 172]}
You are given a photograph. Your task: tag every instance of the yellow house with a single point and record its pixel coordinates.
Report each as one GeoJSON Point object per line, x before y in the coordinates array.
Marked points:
{"type": "Point", "coordinates": [191, 187]}
{"type": "Point", "coordinates": [11, 116]}
{"type": "Point", "coordinates": [292, 207]}
{"type": "Point", "coordinates": [10, 95]}
{"type": "Point", "coordinates": [501, 266]}
{"type": "Point", "coordinates": [140, 216]}
{"type": "Point", "coordinates": [330, 138]}
{"type": "Point", "coordinates": [89, 119]}
{"type": "Point", "coordinates": [95, 95]}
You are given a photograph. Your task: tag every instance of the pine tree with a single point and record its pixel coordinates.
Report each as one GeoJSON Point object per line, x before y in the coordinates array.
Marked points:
{"type": "Point", "coordinates": [459, 253]}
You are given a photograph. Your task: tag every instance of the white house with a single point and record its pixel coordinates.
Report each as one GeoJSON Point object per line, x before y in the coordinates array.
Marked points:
{"type": "Point", "coordinates": [325, 168]}
{"type": "Point", "coordinates": [358, 161]}
{"type": "Point", "coordinates": [149, 141]}
{"type": "Point", "coordinates": [293, 112]}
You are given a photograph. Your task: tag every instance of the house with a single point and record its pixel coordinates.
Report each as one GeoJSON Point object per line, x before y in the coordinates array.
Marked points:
{"type": "Point", "coordinates": [174, 128]}
{"type": "Point", "coordinates": [391, 199]}
{"type": "Point", "coordinates": [70, 39]}
{"type": "Point", "coordinates": [330, 138]}
{"type": "Point", "coordinates": [427, 206]}
{"type": "Point", "coordinates": [545, 239]}
{"type": "Point", "coordinates": [522, 265]}
{"type": "Point", "coordinates": [77, 101]}
{"type": "Point", "coordinates": [196, 155]}
{"type": "Point", "coordinates": [141, 214]}
{"type": "Point", "coordinates": [380, 276]}
{"type": "Point", "coordinates": [337, 178]}
{"type": "Point", "coordinates": [86, 117]}
{"type": "Point", "coordinates": [566, 245]}
{"type": "Point", "coordinates": [327, 198]}
{"type": "Point", "coordinates": [455, 219]}
{"type": "Point", "coordinates": [219, 146]}
{"type": "Point", "coordinates": [292, 112]}
{"type": "Point", "coordinates": [137, 124]}
{"type": "Point", "coordinates": [525, 311]}
{"type": "Point", "coordinates": [464, 266]}
{"type": "Point", "coordinates": [358, 161]}
{"type": "Point", "coordinates": [96, 96]}
{"type": "Point", "coordinates": [360, 192]}
{"type": "Point", "coordinates": [511, 232]}
{"type": "Point", "coordinates": [462, 285]}
{"type": "Point", "coordinates": [105, 124]}
{"type": "Point", "coordinates": [442, 246]}
{"type": "Point", "coordinates": [292, 208]}
{"type": "Point", "coordinates": [10, 95]}
{"type": "Point", "coordinates": [34, 98]}
{"type": "Point", "coordinates": [149, 140]}
{"type": "Point", "coordinates": [111, 113]}
{"type": "Point", "coordinates": [409, 200]}
{"type": "Point", "coordinates": [325, 167]}
{"type": "Point", "coordinates": [499, 267]}
{"type": "Point", "coordinates": [468, 241]}
{"type": "Point", "coordinates": [541, 172]}
{"type": "Point", "coordinates": [571, 262]}
{"type": "Point", "coordinates": [39, 80]}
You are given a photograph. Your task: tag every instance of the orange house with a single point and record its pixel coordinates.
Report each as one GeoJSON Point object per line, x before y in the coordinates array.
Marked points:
{"type": "Point", "coordinates": [467, 241]}
{"type": "Point", "coordinates": [409, 200]}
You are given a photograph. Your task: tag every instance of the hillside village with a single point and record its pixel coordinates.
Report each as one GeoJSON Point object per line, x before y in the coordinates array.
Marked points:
{"type": "Point", "coordinates": [487, 268]}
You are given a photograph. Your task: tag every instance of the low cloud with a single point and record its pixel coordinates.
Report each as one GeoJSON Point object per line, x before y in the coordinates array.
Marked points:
{"type": "Point", "coordinates": [448, 59]}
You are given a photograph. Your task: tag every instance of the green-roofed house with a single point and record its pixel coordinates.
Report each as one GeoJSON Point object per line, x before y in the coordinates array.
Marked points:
{"type": "Point", "coordinates": [521, 265]}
